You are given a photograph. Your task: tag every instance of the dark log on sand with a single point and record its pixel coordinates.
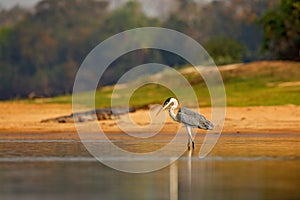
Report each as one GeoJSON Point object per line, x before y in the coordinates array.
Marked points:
{"type": "Point", "coordinates": [92, 115]}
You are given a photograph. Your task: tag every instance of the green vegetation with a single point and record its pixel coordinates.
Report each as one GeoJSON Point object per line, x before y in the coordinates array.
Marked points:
{"type": "Point", "coordinates": [282, 30]}
{"type": "Point", "coordinates": [41, 49]}
{"type": "Point", "coordinates": [251, 85]}
{"type": "Point", "coordinates": [245, 85]}
{"type": "Point", "coordinates": [225, 50]}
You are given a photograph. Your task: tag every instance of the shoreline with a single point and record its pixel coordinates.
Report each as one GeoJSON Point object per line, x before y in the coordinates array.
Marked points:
{"type": "Point", "coordinates": [23, 119]}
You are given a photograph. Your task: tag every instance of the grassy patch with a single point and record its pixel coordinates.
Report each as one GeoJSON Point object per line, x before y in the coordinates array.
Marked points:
{"type": "Point", "coordinates": [259, 84]}
{"type": "Point", "coordinates": [251, 84]}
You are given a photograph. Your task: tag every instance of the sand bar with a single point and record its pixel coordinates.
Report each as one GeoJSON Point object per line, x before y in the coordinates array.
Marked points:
{"type": "Point", "coordinates": [17, 119]}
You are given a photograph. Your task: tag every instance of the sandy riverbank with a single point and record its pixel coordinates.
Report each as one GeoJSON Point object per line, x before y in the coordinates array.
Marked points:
{"type": "Point", "coordinates": [22, 118]}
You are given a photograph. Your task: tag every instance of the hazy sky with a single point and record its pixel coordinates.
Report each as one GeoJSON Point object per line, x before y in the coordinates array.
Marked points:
{"type": "Point", "coordinates": [151, 7]}
{"type": "Point", "coordinates": [11, 3]}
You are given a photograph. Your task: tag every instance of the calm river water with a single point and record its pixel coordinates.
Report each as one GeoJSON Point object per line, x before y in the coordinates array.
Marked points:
{"type": "Point", "coordinates": [241, 166]}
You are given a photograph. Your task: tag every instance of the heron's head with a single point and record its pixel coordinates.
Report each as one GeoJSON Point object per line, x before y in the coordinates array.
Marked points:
{"type": "Point", "coordinates": [168, 102]}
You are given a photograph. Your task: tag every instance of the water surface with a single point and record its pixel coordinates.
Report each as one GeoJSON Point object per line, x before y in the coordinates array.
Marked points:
{"type": "Point", "coordinates": [241, 166]}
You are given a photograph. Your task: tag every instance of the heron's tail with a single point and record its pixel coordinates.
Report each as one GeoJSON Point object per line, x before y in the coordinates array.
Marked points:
{"type": "Point", "coordinates": [206, 125]}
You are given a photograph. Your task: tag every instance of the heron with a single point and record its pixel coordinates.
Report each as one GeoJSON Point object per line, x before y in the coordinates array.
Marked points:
{"type": "Point", "coordinates": [187, 117]}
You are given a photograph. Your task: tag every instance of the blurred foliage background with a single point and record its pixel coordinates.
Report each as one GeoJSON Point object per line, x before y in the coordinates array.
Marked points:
{"type": "Point", "coordinates": [41, 48]}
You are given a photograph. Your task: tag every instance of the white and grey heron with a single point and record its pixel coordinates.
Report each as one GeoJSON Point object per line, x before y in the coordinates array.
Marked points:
{"type": "Point", "coordinates": [187, 117]}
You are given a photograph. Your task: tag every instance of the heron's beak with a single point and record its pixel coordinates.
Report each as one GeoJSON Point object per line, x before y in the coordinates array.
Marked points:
{"type": "Point", "coordinates": [161, 109]}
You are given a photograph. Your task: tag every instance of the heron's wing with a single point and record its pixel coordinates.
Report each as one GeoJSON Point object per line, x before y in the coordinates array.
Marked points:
{"type": "Point", "coordinates": [193, 119]}
{"type": "Point", "coordinates": [189, 117]}
{"type": "Point", "coordinates": [191, 113]}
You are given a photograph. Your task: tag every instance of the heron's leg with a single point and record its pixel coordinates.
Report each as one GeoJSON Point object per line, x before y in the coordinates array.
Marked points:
{"type": "Point", "coordinates": [188, 128]}
{"type": "Point", "coordinates": [188, 144]}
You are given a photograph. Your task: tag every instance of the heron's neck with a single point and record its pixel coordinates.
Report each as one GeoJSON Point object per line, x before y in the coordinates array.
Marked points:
{"type": "Point", "coordinates": [172, 113]}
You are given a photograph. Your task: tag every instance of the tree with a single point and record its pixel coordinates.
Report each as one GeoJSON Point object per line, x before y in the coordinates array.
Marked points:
{"type": "Point", "coordinates": [41, 52]}
{"type": "Point", "coordinates": [225, 50]}
{"type": "Point", "coordinates": [127, 17]}
{"type": "Point", "coordinates": [41, 49]}
{"type": "Point", "coordinates": [282, 31]}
